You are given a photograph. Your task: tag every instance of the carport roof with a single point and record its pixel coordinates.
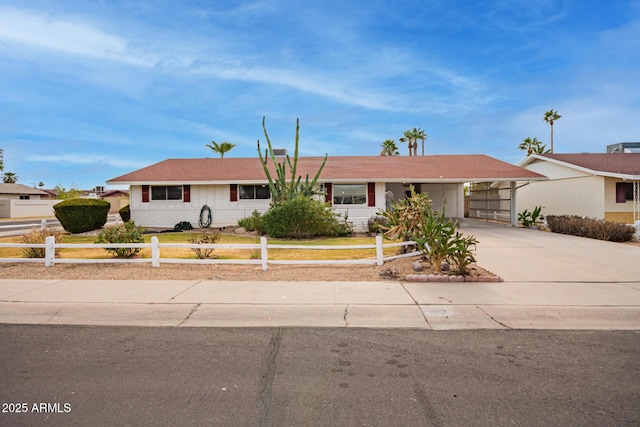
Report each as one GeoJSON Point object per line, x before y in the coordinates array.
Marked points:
{"type": "Point", "coordinates": [437, 168]}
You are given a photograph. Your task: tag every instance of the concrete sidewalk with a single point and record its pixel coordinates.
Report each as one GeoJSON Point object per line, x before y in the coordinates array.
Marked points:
{"type": "Point", "coordinates": [552, 281]}
{"type": "Point", "coordinates": [323, 304]}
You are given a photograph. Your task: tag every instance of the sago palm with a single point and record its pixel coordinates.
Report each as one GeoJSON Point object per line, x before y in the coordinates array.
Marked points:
{"type": "Point", "coordinates": [389, 148]}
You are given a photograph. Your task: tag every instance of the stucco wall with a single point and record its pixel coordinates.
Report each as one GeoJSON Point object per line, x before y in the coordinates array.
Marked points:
{"type": "Point", "coordinates": [568, 192]}
{"type": "Point", "coordinates": [27, 208]}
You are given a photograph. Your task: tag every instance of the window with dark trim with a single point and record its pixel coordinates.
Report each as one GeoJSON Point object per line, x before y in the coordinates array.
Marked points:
{"type": "Point", "coordinates": [166, 192]}
{"type": "Point", "coordinates": [624, 192]}
{"type": "Point", "coordinates": [254, 192]}
{"type": "Point", "coordinates": [349, 194]}
{"type": "Point", "coordinates": [24, 197]}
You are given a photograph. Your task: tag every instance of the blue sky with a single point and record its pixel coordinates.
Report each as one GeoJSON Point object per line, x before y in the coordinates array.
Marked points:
{"type": "Point", "coordinates": [92, 90]}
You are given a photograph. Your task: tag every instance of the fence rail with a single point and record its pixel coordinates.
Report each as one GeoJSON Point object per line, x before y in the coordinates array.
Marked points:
{"type": "Point", "coordinates": [50, 246]}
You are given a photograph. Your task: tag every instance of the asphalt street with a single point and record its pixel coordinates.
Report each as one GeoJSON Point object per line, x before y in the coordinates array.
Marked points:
{"type": "Point", "coordinates": [96, 375]}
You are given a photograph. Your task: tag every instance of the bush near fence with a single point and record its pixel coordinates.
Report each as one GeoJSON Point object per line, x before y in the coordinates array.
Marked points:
{"type": "Point", "coordinates": [590, 227]}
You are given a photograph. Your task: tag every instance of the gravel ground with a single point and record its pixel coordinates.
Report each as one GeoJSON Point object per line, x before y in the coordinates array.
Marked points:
{"type": "Point", "coordinates": [354, 273]}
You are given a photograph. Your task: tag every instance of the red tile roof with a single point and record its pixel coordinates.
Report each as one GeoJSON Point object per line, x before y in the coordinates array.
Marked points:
{"type": "Point", "coordinates": [611, 163]}
{"type": "Point", "coordinates": [444, 168]}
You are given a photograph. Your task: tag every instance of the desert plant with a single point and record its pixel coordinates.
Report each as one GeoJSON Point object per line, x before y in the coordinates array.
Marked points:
{"type": "Point", "coordinates": [125, 233]}
{"type": "Point", "coordinates": [204, 239]}
{"type": "Point", "coordinates": [303, 217]}
{"type": "Point", "coordinates": [38, 236]}
{"type": "Point", "coordinates": [281, 188]}
{"type": "Point", "coordinates": [404, 217]}
{"type": "Point", "coordinates": [125, 213]}
{"type": "Point", "coordinates": [81, 215]}
{"type": "Point", "coordinates": [531, 219]}
{"type": "Point", "coordinates": [434, 237]}
{"type": "Point", "coordinates": [462, 253]}
{"type": "Point", "coordinates": [374, 223]}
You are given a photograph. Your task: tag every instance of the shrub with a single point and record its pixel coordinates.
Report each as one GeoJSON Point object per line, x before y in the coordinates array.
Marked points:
{"type": "Point", "coordinates": [81, 215]}
{"type": "Point", "coordinates": [255, 222]}
{"type": "Point", "coordinates": [125, 213]}
{"type": "Point", "coordinates": [303, 217]}
{"type": "Point", "coordinates": [125, 233]}
{"type": "Point", "coordinates": [375, 222]}
{"type": "Point", "coordinates": [183, 225]}
{"type": "Point", "coordinates": [38, 236]}
{"type": "Point", "coordinates": [592, 228]}
{"type": "Point", "coordinates": [204, 239]}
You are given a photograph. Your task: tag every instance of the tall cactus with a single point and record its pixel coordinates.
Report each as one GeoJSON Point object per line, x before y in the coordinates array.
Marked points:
{"type": "Point", "coordinates": [282, 189]}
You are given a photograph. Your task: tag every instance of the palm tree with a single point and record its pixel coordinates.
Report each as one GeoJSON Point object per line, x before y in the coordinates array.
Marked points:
{"type": "Point", "coordinates": [221, 148]}
{"type": "Point", "coordinates": [389, 148]}
{"type": "Point", "coordinates": [420, 134]}
{"type": "Point", "coordinates": [409, 137]}
{"type": "Point", "coordinates": [533, 146]}
{"type": "Point", "coordinates": [549, 117]}
{"type": "Point", "coordinates": [41, 184]}
{"type": "Point", "coordinates": [9, 178]}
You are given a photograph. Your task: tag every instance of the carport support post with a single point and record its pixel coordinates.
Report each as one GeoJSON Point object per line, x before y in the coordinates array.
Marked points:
{"type": "Point", "coordinates": [514, 211]}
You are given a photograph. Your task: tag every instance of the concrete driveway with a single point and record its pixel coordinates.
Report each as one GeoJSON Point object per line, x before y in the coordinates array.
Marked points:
{"type": "Point", "coordinates": [523, 255]}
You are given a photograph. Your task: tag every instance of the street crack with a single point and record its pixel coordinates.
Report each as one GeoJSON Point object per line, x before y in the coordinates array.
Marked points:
{"type": "Point", "coordinates": [265, 385]}
{"type": "Point", "coordinates": [493, 318]}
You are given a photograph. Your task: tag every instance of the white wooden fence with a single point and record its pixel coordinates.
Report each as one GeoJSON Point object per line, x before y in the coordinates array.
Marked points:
{"type": "Point", "coordinates": [50, 247]}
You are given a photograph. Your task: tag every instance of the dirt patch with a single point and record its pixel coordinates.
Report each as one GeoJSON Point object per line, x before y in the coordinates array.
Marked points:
{"type": "Point", "coordinates": [392, 270]}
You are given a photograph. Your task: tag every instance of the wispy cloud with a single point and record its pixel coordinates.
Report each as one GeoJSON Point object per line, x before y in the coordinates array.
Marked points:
{"type": "Point", "coordinates": [88, 159]}
{"type": "Point", "coordinates": [65, 35]}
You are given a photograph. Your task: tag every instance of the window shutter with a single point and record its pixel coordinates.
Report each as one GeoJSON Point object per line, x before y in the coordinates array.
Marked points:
{"type": "Point", "coordinates": [145, 194]}
{"type": "Point", "coordinates": [186, 193]}
{"type": "Point", "coordinates": [233, 193]}
{"type": "Point", "coordinates": [621, 192]}
{"type": "Point", "coordinates": [371, 194]}
{"type": "Point", "coordinates": [328, 198]}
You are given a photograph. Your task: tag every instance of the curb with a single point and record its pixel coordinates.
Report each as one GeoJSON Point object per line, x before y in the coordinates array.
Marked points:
{"type": "Point", "coordinates": [447, 278]}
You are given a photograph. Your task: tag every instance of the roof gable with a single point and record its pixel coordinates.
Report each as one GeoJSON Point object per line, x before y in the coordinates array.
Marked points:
{"type": "Point", "coordinates": [619, 165]}
{"type": "Point", "coordinates": [442, 168]}
{"type": "Point", "coordinates": [20, 189]}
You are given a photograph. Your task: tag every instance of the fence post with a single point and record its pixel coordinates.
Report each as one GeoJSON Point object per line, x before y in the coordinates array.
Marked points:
{"type": "Point", "coordinates": [43, 224]}
{"type": "Point", "coordinates": [155, 252]}
{"type": "Point", "coordinates": [379, 252]}
{"type": "Point", "coordinates": [49, 251]}
{"type": "Point", "coordinates": [263, 253]}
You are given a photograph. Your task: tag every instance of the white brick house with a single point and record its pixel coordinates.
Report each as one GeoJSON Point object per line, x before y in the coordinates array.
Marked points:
{"type": "Point", "coordinates": [176, 190]}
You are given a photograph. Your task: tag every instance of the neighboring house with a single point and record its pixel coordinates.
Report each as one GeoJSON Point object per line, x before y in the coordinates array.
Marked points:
{"type": "Point", "coordinates": [597, 185]}
{"type": "Point", "coordinates": [176, 190]}
{"type": "Point", "coordinates": [117, 198]}
{"type": "Point", "coordinates": [20, 201]}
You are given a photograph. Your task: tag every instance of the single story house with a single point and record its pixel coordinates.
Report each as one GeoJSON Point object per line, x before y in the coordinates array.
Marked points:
{"type": "Point", "coordinates": [176, 190]}
{"type": "Point", "coordinates": [117, 198]}
{"type": "Point", "coordinates": [597, 185]}
{"type": "Point", "coordinates": [20, 201]}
